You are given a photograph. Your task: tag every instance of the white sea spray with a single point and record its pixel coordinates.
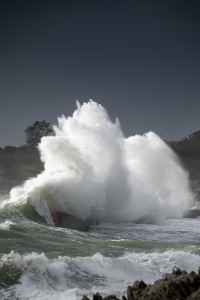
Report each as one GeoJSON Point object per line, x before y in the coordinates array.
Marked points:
{"type": "Point", "coordinates": [91, 169]}
{"type": "Point", "coordinates": [69, 278]}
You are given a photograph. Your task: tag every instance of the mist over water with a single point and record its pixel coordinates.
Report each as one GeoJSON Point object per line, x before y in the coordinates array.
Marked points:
{"type": "Point", "coordinates": [91, 169]}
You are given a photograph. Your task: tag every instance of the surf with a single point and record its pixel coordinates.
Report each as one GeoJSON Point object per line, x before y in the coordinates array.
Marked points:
{"type": "Point", "coordinates": [91, 170]}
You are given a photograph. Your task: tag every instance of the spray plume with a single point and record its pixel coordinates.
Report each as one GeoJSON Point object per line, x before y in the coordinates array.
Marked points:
{"type": "Point", "coordinates": [91, 169]}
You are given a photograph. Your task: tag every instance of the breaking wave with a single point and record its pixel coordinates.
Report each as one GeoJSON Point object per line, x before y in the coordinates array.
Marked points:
{"type": "Point", "coordinates": [34, 275]}
{"type": "Point", "coordinates": [91, 169]}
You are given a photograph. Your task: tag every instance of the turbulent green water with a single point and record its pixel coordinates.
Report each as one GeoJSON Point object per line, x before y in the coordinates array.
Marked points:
{"type": "Point", "coordinates": [40, 261]}
{"type": "Point", "coordinates": [92, 171]}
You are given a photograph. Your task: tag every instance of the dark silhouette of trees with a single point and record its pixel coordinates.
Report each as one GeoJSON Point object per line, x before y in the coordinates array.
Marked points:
{"type": "Point", "coordinates": [188, 147]}
{"type": "Point", "coordinates": [36, 131]}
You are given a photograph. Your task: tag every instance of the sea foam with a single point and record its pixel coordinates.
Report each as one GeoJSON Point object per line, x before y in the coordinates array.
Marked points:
{"type": "Point", "coordinates": [91, 169]}
{"type": "Point", "coordinates": [71, 278]}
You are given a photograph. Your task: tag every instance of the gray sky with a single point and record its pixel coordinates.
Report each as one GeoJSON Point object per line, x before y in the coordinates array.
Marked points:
{"type": "Point", "coordinates": [139, 59]}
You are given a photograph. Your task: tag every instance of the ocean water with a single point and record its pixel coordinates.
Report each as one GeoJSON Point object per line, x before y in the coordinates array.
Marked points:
{"type": "Point", "coordinates": [92, 170]}
{"type": "Point", "coordinates": [39, 261]}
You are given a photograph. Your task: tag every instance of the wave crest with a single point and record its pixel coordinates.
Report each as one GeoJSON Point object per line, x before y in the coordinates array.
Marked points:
{"type": "Point", "coordinates": [92, 170]}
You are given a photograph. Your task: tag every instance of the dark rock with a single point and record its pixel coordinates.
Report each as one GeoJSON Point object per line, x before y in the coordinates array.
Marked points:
{"type": "Point", "coordinates": [129, 293]}
{"type": "Point", "coordinates": [177, 272]}
{"type": "Point", "coordinates": [97, 296]}
{"type": "Point", "coordinates": [111, 297]}
{"type": "Point", "coordinates": [178, 285]}
{"type": "Point", "coordinates": [66, 220]}
{"type": "Point", "coordinates": [139, 285]}
{"type": "Point", "coordinates": [136, 289]}
{"type": "Point", "coordinates": [195, 295]}
{"type": "Point", "coordinates": [85, 297]}
{"type": "Point", "coordinates": [192, 213]}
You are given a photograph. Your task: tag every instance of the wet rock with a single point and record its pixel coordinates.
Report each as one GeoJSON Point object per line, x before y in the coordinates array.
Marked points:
{"type": "Point", "coordinates": [135, 291]}
{"type": "Point", "coordinates": [195, 295]}
{"type": "Point", "coordinates": [111, 297]}
{"type": "Point", "coordinates": [72, 222]}
{"type": "Point", "coordinates": [179, 285]}
{"type": "Point", "coordinates": [85, 297]}
{"type": "Point", "coordinates": [97, 296]}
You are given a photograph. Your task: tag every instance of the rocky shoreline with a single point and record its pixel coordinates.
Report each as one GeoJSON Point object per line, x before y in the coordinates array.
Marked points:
{"type": "Point", "coordinates": [179, 285]}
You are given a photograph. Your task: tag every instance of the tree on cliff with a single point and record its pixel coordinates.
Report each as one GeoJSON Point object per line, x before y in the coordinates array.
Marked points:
{"type": "Point", "coordinates": [36, 131]}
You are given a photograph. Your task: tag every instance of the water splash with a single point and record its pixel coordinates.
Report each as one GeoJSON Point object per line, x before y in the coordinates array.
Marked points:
{"type": "Point", "coordinates": [91, 169]}
{"type": "Point", "coordinates": [36, 276]}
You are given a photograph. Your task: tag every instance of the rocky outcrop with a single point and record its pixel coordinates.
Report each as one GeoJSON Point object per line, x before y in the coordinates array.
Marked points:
{"type": "Point", "coordinates": [192, 213]}
{"type": "Point", "coordinates": [179, 285]}
{"type": "Point", "coordinates": [72, 222]}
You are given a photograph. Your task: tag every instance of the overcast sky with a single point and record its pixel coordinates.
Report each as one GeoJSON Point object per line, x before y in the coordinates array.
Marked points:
{"type": "Point", "coordinates": [139, 59]}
